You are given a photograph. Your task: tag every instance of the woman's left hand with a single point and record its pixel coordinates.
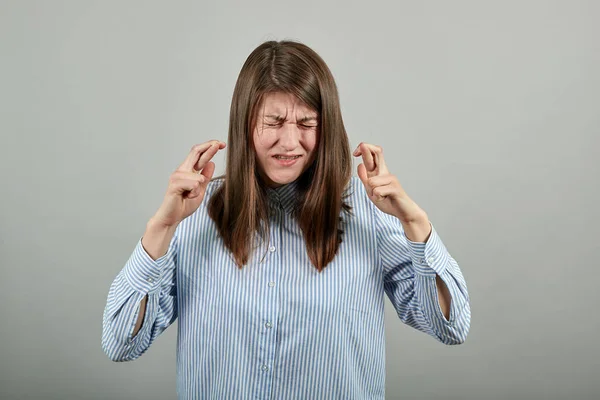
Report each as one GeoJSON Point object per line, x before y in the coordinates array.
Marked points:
{"type": "Point", "coordinates": [384, 189]}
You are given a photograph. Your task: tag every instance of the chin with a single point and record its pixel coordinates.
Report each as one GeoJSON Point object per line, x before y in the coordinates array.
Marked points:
{"type": "Point", "coordinates": [283, 179]}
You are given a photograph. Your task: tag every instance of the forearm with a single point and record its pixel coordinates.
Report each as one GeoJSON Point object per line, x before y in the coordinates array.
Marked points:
{"type": "Point", "coordinates": [422, 280]}
{"type": "Point", "coordinates": [451, 326]}
{"type": "Point", "coordinates": [157, 238]}
{"type": "Point", "coordinates": [141, 303]}
{"type": "Point", "coordinates": [156, 242]}
{"type": "Point", "coordinates": [121, 311]}
{"type": "Point", "coordinates": [418, 229]}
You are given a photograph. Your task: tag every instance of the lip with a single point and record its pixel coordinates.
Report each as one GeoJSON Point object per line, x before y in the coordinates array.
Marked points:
{"type": "Point", "coordinates": [286, 163]}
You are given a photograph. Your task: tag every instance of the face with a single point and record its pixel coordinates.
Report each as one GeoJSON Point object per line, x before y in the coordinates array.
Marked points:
{"type": "Point", "coordinates": [285, 138]}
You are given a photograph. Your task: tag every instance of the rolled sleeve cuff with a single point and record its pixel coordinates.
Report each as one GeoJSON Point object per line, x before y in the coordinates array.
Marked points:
{"type": "Point", "coordinates": [429, 258]}
{"type": "Point", "coordinates": [142, 272]}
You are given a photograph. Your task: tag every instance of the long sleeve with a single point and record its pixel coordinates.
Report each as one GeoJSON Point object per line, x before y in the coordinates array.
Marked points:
{"type": "Point", "coordinates": [410, 271]}
{"type": "Point", "coordinates": [140, 276]}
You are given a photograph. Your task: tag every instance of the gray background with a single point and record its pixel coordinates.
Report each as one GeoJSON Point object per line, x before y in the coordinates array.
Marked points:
{"type": "Point", "coordinates": [488, 112]}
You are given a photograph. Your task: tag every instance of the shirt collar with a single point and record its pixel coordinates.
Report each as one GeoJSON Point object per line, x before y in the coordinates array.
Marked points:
{"type": "Point", "coordinates": [284, 197]}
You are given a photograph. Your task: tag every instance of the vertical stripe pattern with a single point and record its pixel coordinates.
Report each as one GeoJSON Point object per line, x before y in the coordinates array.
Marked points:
{"type": "Point", "coordinates": [277, 328]}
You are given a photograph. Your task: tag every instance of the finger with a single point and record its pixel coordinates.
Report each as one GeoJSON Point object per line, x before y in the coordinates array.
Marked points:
{"type": "Point", "coordinates": [362, 174]}
{"type": "Point", "coordinates": [207, 156]}
{"type": "Point", "coordinates": [379, 159]}
{"type": "Point", "coordinates": [367, 157]}
{"type": "Point", "coordinates": [183, 175]}
{"type": "Point", "coordinates": [379, 180]}
{"type": "Point", "coordinates": [178, 176]}
{"type": "Point", "coordinates": [195, 153]}
{"type": "Point", "coordinates": [381, 192]}
{"type": "Point", "coordinates": [186, 185]}
{"type": "Point", "coordinates": [208, 171]}
{"type": "Point", "coordinates": [376, 153]}
{"type": "Point", "coordinates": [194, 193]}
{"type": "Point", "coordinates": [192, 158]}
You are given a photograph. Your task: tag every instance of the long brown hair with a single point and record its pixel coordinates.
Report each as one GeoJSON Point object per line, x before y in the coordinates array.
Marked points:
{"type": "Point", "coordinates": [239, 207]}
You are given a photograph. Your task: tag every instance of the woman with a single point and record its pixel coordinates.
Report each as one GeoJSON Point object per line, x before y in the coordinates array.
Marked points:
{"type": "Point", "coordinates": [277, 270]}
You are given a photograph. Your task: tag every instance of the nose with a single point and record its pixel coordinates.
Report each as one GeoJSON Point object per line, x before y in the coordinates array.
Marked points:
{"type": "Point", "coordinates": [289, 138]}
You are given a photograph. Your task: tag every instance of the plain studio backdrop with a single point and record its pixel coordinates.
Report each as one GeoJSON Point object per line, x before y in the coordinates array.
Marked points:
{"type": "Point", "coordinates": [488, 113]}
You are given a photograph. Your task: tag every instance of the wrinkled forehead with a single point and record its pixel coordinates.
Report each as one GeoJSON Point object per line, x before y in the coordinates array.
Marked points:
{"type": "Point", "coordinates": [284, 105]}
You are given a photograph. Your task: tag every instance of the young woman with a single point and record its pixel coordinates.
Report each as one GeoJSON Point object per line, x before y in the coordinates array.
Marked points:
{"type": "Point", "coordinates": [277, 270]}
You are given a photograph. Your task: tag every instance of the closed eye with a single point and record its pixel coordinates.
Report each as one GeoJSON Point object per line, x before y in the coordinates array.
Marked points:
{"type": "Point", "coordinates": [300, 125]}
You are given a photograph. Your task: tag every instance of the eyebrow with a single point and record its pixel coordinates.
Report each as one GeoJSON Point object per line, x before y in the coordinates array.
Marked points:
{"type": "Point", "coordinates": [280, 118]}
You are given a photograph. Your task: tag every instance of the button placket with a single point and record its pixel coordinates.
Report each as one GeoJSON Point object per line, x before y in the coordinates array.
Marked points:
{"type": "Point", "coordinates": [271, 306]}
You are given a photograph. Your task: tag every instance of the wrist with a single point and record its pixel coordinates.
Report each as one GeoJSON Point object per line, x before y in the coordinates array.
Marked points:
{"type": "Point", "coordinates": [409, 213]}
{"type": "Point", "coordinates": [157, 237]}
{"type": "Point", "coordinates": [417, 229]}
{"type": "Point", "coordinates": [157, 228]}
{"type": "Point", "coordinates": [156, 225]}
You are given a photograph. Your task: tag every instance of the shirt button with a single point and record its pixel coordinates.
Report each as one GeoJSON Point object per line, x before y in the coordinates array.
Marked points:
{"type": "Point", "coordinates": [272, 249]}
{"type": "Point", "coordinates": [422, 260]}
{"type": "Point", "coordinates": [265, 368]}
{"type": "Point", "coordinates": [431, 260]}
{"type": "Point", "coordinates": [268, 325]}
{"type": "Point", "coordinates": [150, 280]}
{"type": "Point", "coordinates": [271, 284]}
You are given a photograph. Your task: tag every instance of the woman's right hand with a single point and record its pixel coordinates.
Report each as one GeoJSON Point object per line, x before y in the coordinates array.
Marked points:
{"type": "Point", "coordinates": [188, 183]}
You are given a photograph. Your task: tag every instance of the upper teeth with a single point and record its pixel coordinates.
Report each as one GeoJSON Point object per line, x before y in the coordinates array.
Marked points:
{"type": "Point", "coordinates": [286, 158]}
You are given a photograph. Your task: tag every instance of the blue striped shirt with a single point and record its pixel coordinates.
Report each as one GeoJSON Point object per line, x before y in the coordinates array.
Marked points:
{"type": "Point", "coordinates": [277, 328]}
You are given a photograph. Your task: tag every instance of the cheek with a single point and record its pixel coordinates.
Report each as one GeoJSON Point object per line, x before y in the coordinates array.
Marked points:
{"type": "Point", "coordinates": [264, 140]}
{"type": "Point", "coordinates": [310, 142]}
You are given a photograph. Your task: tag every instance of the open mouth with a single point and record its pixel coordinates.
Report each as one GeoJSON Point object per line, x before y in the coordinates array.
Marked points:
{"type": "Point", "coordinates": [287, 157]}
